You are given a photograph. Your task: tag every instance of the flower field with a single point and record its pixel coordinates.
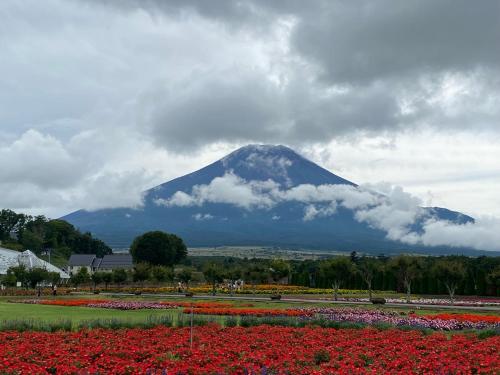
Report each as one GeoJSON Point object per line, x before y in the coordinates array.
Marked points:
{"type": "Point", "coordinates": [126, 305]}
{"type": "Point", "coordinates": [447, 322]}
{"type": "Point", "coordinates": [492, 319]}
{"type": "Point", "coordinates": [249, 312]}
{"type": "Point", "coordinates": [254, 350]}
{"type": "Point", "coordinates": [443, 321]}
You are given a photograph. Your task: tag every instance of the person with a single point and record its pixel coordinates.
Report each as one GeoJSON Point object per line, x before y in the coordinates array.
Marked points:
{"type": "Point", "coordinates": [54, 290]}
{"type": "Point", "coordinates": [39, 292]}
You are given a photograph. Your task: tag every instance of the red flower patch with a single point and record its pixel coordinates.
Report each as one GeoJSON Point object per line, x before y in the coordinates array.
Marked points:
{"type": "Point", "coordinates": [237, 350]}
{"type": "Point", "coordinates": [246, 311]}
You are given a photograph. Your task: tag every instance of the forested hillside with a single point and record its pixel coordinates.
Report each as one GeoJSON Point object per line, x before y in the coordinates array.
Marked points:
{"type": "Point", "coordinates": [39, 234]}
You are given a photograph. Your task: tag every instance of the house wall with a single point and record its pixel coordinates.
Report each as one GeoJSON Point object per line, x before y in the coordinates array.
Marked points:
{"type": "Point", "coordinates": [74, 269]}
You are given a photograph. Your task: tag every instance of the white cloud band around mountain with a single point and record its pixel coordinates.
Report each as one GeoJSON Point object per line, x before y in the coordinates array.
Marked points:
{"type": "Point", "coordinates": [383, 207]}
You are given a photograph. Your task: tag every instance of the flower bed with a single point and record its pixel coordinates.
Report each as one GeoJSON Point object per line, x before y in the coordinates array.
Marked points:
{"type": "Point", "coordinates": [396, 319]}
{"type": "Point", "coordinates": [126, 305]}
{"type": "Point", "coordinates": [249, 312]}
{"type": "Point", "coordinates": [430, 301]}
{"type": "Point", "coordinates": [464, 301]}
{"type": "Point", "coordinates": [492, 319]}
{"type": "Point", "coordinates": [255, 350]}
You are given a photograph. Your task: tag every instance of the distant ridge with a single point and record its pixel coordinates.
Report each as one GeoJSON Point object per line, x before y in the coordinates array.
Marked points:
{"type": "Point", "coordinates": [259, 195]}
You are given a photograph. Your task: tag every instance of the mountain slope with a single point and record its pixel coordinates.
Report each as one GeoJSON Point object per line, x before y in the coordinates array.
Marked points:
{"type": "Point", "coordinates": [270, 196]}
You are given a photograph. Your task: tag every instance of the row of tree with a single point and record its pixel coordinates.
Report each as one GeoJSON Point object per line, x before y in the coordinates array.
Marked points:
{"type": "Point", "coordinates": [139, 274]}
{"type": "Point", "coordinates": [38, 234]}
{"type": "Point", "coordinates": [29, 277]}
{"type": "Point", "coordinates": [421, 275]}
{"type": "Point", "coordinates": [404, 273]}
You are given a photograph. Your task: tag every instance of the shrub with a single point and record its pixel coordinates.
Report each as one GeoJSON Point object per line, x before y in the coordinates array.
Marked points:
{"type": "Point", "coordinates": [321, 356]}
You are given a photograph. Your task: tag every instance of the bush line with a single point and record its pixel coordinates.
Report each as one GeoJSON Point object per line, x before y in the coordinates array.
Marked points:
{"type": "Point", "coordinates": [22, 325]}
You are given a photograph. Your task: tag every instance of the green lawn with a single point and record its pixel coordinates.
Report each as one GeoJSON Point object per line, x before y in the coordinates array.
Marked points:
{"type": "Point", "coordinates": [19, 311]}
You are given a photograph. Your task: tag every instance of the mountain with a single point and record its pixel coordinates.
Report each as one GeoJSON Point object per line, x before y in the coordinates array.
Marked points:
{"type": "Point", "coordinates": [266, 195]}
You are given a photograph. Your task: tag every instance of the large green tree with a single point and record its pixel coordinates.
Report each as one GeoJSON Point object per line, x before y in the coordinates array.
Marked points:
{"type": "Point", "coordinates": [158, 248]}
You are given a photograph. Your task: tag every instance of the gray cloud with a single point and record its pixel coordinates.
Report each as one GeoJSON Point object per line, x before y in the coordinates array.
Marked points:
{"type": "Point", "coordinates": [214, 107]}
{"type": "Point", "coordinates": [363, 41]}
{"type": "Point", "coordinates": [350, 69]}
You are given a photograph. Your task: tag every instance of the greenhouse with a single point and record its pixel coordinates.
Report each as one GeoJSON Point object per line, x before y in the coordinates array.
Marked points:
{"type": "Point", "coordinates": [12, 258]}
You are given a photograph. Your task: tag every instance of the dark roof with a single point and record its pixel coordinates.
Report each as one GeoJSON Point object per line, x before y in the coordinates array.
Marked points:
{"type": "Point", "coordinates": [81, 259]}
{"type": "Point", "coordinates": [116, 261]}
{"type": "Point", "coordinates": [96, 262]}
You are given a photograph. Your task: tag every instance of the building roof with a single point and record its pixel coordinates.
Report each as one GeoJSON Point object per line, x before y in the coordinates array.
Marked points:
{"type": "Point", "coordinates": [96, 262]}
{"type": "Point", "coordinates": [116, 261]}
{"type": "Point", "coordinates": [81, 260]}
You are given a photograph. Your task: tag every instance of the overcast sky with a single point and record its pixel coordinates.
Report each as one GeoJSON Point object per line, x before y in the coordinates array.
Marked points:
{"type": "Point", "coordinates": [100, 100]}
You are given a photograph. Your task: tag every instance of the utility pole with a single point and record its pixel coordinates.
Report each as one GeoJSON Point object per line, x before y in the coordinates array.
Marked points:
{"type": "Point", "coordinates": [191, 331]}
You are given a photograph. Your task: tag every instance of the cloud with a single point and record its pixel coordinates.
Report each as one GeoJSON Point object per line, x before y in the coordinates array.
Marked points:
{"type": "Point", "coordinates": [202, 217]}
{"type": "Point", "coordinates": [483, 234]}
{"type": "Point", "coordinates": [395, 214]}
{"type": "Point", "coordinates": [312, 212]}
{"type": "Point", "coordinates": [217, 106]}
{"type": "Point", "coordinates": [228, 189]}
{"type": "Point", "coordinates": [359, 42]}
{"type": "Point", "coordinates": [38, 159]}
{"type": "Point", "coordinates": [388, 208]}
{"type": "Point", "coordinates": [40, 173]}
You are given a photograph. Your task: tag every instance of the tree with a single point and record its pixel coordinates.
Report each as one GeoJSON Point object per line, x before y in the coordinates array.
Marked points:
{"type": "Point", "coordinates": [20, 273]}
{"type": "Point", "coordinates": [11, 222]}
{"type": "Point", "coordinates": [158, 248]}
{"type": "Point", "coordinates": [162, 273]}
{"type": "Point", "coordinates": [337, 271]}
{"type": "Point", "coordinates": [9, 279]}
{"type": "Point", "coordinates": [279, 269]}
{"type": "Point", "coordinates": [407, 269]}
{"type": "Point", "coordinates": [493, 276]}
{"type": "Point", "coordinates": [81, 277]}
{"type": "Point", "coordinates": [36, 276]}
{"type": "Point", "coordinates": [141, 272]}
{"type": "Point", "coordinates": [96, 278]}
{"type": "Point", "coordinates": [451, 272]}
{"type": "Point", "coordinates": [54, 278]}
{"type": "Point", "coordinates": [38, 233]}
{"type": "Point", "coordinates": [255, 273]}
{"type": "Point", "coordinates": [106, 277]}
{"type": "Point", "coordinates": [185, 276]}
{"type": "Point", "coordinates": [32, 241]}
{"type": "Point", "coordinates": [119, 275]}
{"type": "Point", "coordinates": [213, 274]}
{"type": "Point", "coordinates": [367, 268]}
